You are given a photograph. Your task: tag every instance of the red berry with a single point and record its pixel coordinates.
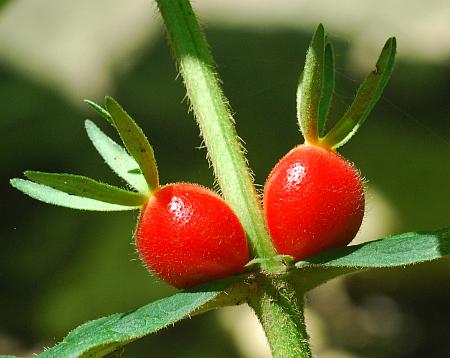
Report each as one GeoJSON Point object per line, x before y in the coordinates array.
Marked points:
{"type": "Point", "coordinates": [188, 235]}
{"type": "Point", "coordinates": [313, 201]}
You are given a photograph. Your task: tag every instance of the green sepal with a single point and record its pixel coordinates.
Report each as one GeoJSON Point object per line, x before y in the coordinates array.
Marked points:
{"type": "Point", "coordinates": [309, 91]}
{"type": "Point", "coordinates": [87, 188]}
{"type": "Point", "coordinates": [100, 110]}
{"type": "Point", "coordinates": [116, 157]}
{"type": "Point", "coordinates": [366, 97]}
{"type": "Point", "coordinates": [327, 88]}
{"type": "Point", "coordinates": [53, 196]}
{"type": "Point", "coordinates": [135, 141]}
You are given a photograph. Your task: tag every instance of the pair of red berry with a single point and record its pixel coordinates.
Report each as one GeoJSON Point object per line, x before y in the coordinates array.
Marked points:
{"type": "Point", "coordinates": [313, 200]}
{"type": "Point", "coordinates": [186, 234]}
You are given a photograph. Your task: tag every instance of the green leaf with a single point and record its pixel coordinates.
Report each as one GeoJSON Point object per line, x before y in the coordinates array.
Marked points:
{"type": "Point", "coordinates": [102, 336]}
{"type": "Point", "coordinates": [309, 92]}
{"type": "Point", "coordinates": [116, 157]}
{"type": "Point", "coordinates": [100, 110]}
{"type": "Point", "coordinates": [395, 251]}
{"type": "Point", "coordinates": [87, 188]}
{"type": "Point", "coordinates": [135, 141]}
{"type": "Point", "coordinates": [56, 197]}
{"type": "Point", "coordinates": [367, 96]}
{"type": "Point", "coordinates": [327, 89]}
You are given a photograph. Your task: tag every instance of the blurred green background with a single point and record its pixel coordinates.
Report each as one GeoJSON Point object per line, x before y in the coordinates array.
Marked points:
{"type": "Point", "coordinates": [59, 268]}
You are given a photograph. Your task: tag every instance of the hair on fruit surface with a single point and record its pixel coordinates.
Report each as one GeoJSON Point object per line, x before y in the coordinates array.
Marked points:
{"type": "Point", "coordinates": [187, 235]}
{"type": "Point", "coordinates": [313, 201]}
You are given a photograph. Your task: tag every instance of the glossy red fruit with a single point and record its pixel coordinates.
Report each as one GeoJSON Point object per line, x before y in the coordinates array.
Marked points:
{"type": "Point", "coordinates": [313, 201]}
{"type": "Point", "coordinates": [188, 235]}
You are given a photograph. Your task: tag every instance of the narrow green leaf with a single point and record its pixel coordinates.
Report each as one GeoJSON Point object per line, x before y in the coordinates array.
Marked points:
{"type": "Point", "coordinates": [100, 110]}
{"type": "Point", "coordinates": [309, 93]}
{"type": "Point", "coordinates": [327, 89]}
{"type": "Point", "coordinates": [102, 336]}
{"type": "Point", "coordinates": [87, 188]}
{"type": "Point", "coordinates": [135, 141]}
{"type": "Point", "coordinates": [116, 157]}
{"type": "Point", "coordinates": [367, 96]}
{"type": "Point", "coordinates": [399, 250]}
{"type": "Point", "coordinates": [56, 197]}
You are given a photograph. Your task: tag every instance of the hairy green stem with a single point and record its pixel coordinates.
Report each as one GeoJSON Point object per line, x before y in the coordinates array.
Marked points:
{"type": "Point", "coordinates": [279, 308]}
{"type": "Point", "coordinates": [274, 299]}
{"type": "Point", "coordinates": [216, 124]}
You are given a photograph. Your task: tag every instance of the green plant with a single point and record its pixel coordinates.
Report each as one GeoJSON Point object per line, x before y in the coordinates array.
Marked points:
{"type": "Point", "coordinates": [274, 286]}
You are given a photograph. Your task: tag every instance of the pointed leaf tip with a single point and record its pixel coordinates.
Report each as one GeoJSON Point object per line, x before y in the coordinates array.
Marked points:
{"type": "Point", "coordinates": [366, 97]}
{"type": "Point", "coordinates": [320, 30]}
{"type": "Point", "coordinates": [309, 92]}
{"type": "Point", "coordinates": [109, 101]}
{"type": "Point", "coordinates": [391, 42]}
{"type": "Point", "coordinates": [135, 141]}
{"type": "Point", "coordinates": [100, 110]}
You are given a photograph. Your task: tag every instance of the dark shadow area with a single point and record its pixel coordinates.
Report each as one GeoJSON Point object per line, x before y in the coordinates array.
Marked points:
{"type": "Point", "coordinates": [59, 267]}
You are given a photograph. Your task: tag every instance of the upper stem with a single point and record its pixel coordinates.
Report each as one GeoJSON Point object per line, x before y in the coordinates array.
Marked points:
{"type": "Point", "coordinates": [216, 124]}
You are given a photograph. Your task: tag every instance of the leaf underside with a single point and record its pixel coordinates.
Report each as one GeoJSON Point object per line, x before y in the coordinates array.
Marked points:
{"type": "Point", "coordinates": [102, 336]}
{"type": "Point", "coordinates": [53, 196]}
{"type": "Point", "coordinates": [88, 188]}
{"type": "Point", "coordinates": [83, 193]}
{"type": "Point", "coordinates": [116, 157]}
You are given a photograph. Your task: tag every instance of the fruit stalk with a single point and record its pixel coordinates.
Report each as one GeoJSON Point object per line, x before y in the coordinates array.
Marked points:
{"type": "Point", "coordinates": [214, 118]}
